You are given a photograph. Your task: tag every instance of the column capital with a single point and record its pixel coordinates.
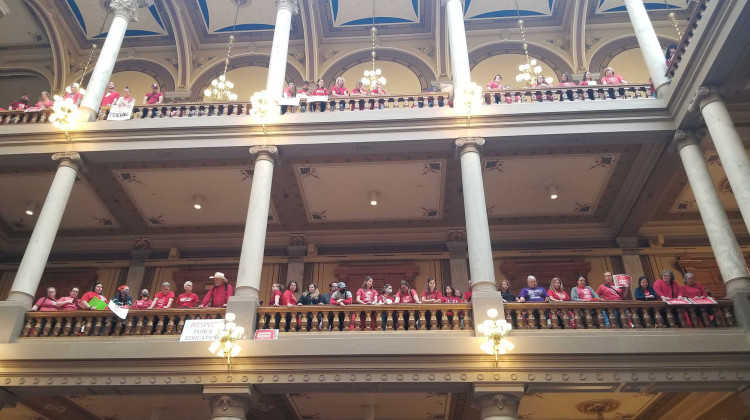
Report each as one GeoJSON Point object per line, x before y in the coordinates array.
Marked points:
{"type": "Point", "coordinates": [267, 152]}
{"type": "Point", "coordinates": [291, 5]}
{"type": "Point", "coordinates": [69, 159]}
{"type": "Point", "coordinates": [445, 2]}
{"type": "Point", "coordinates": [497, 402]}
{"type": "Point", "coordinates": [684, 138]}
{"type": "Point", "coordinates": [704, 96]}
{"type": "Point", "coordinates": [127, 9]}
{"type": "Point", "coordinates": [469, 144]}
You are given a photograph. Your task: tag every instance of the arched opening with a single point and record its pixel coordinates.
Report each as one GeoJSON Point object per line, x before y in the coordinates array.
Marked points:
{"type": "Point", "coordinates": [505, 65]}
{"type": "Point", "coordinates": [399, 79]}
{"type": "Point", "coordinates": [630, 65]}
{"type": "Point", "coordinates": [14, 83]}
{"type": "Point", "coordinates": [138, 82]}
{"type": "Point", "coordinates": [247, 80]}
{"type": "Point", "coordinates": [395, 61]}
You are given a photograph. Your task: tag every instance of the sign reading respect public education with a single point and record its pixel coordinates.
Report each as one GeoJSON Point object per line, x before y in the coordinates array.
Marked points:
{"type": "Point", "coordinates": [201, 329]}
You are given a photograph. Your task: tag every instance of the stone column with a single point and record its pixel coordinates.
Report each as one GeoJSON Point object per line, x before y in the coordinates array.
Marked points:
{"type": "Point", "coordinates": [459, 267]}
{"type": "Point", "coordinates": [653, 54]}
{"type": "Point", "coordinates": [459, 52]}
{"type": "Point", "coordinates": [497, 402]}
{"type": "Point", "coordinates": [484, 290]}
{"type": "Point", "coordinates": [723, 242]}
{"type": "Point", "coordinates": [295, 270]}
{"type": "Point", "coordinates": [631, 260]}
{"type": "Point", "coordinates": [280, 46]}
{"type": "Point", "coordinates": [137, 266]}
{"type": "Point", "coordinates": [125, 11]}
{"type": "Point", "coordinates": [245, 301]}
{"type": "Point", "coordinates": [231, 402]}
{"type": "Point", "coordinates": [728, 144]}
{"type": "Point", "coordinates": [21, 296]}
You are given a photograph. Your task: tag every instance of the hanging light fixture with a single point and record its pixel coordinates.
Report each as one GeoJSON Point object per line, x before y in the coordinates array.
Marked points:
{"type": "Point", "coordinates": [673, 18]}
{"type": "Point", "coordinates": [495, 331]}
{"type": "Point", "coordinates": [531, 70]}
{"type": "Point", "coordinates": [32, 208]}
{"type": "Point", "coordinates": [373, 76]}
{"type": "Point", "coordinates": [225, 344]}
{"type": "Point", "coordinates": [552, 192]}
{"type": "Point", "coordinates": [220, 89]}
{"type": "Point", "coordinates": [373, 198]}
{"type": "Point", "coordinates": [198, 202]}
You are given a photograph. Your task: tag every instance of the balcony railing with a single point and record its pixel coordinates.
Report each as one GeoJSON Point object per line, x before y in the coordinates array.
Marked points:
{"type": "Point", "coordinates": [24, 117]}
{"type": "Point", "coordinates": [387, 318]}
{"type": "Point", "coordinates": [699, 6]}
{"type": "Point", "coordinates": [106, 323]}
{"type": "Point", "coordinates": [618, 314]}
{"type": "Point", "coordinates": [567, 94]}
{"type": "Point", "coordinates": [401, 317]}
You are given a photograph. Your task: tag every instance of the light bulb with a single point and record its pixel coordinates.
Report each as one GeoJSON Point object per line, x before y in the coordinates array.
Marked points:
{"type": "Point", "coordinates": [488, 347]}
{"type": "Point", "coordinates": [207, 92]}
{"type": "Point", "coordinates": [222, 78]}
{"type": "Point", "coordinates": [373, 198]}
{"type": "Point", "coordinates": [377, 72]}
{"type": "Point", "coordinates": [230, 316]}
{"type": "Point", "coordinates": [214, 82]}
{"type": "Point", "coordinates": [492, 313]}
{"type": "Point", "coordinates": [230, 85]}
{"type": "Point", "coordinates": [235, 350]}
{"type": "Point", "coordinates": [214, 346]}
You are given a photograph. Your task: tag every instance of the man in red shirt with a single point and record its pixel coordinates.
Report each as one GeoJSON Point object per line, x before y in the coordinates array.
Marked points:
{"type": "Point", "coordinates": [155, 97]}
{"type": "Point", "coordinates": [219, 294]}
{"type": "Point", "coordinates": [163, 299]}
{"type": "Point", "coordinates": [111, 95]}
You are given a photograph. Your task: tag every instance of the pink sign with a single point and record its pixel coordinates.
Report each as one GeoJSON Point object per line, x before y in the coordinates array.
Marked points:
{"type": "Point", "coordinates": [266, 334]}
{"type": "Point", "coordinates": [622, 280]}
{"type": "Point", "coordinates": [703, 300]}
{"type": "Point", "coordinates": [678, 301]}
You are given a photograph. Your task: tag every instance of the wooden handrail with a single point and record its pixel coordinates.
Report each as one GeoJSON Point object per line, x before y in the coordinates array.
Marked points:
{"type": "Point", "coordinates": [567, 94]}
{"type": "Point", "coordinates": [687, 36]}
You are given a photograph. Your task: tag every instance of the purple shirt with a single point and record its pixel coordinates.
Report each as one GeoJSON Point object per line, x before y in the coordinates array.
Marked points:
{"type": "Point", "coordinates": [537, 294]}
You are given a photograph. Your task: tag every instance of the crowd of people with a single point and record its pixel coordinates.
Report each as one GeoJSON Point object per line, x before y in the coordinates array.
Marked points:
{"type": "Point", "coordinates": [111, 96]}
{"type": "Point", "coordinates": [216, 297]}
{"type": "Point", "coordinates": [337, 90]}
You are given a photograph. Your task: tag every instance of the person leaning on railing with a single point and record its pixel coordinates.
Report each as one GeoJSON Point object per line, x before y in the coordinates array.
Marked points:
{"type": "Point", "coordinates": [386, 298]}
{"type": "Point", "coordinates": [122, 297]}
{"type": "Point", "coordinates": [70, 303]}
{"type": "Point", "coordinates": [584, 293]}
{"type": "Point", "coordinates": [557, 293]}
{"type": "Point", "coordinates": [339, 89]}
{"type": "Point", "coordinates": [310, 297]}
{"type": "Point", "coordinates": [163, 299]}
{"type": "Point", "coordinates": [431, 295]}
{"type": "Point", "coordinates": [610, 78]}
{"type": "Point", "coordinates": [144, 302]}
{"type": "Point", "coordinates": [289, 299]}
{"type": "Point", "coordinates": [609, 292]}
{"type": "Point", "coordinates": [566, 80]}
{"type": "Point", "coordinates": [644, 291]}
{"type": "Point", "coordinates": [692, 288]}
{"type": "Point", "coordinates": [95, 292]}
{"type": "Point", "coordinates": [408, 295]}
{"type": "Point", "coordinates": [535, 294]}
{"type": "Point", "coordinates": [449, 296]}
{"type": "Point", "coordinates": [289, 92]}
{"type": "Point", "coordinates": [47, 303]}
{"type": "Point", "coordinates": [666, 286]}
{"type": "Point", "coordinates": [219, 294]}
{"type": "Point", "coordinates": [342, 297]}
{"type": "Point", "coordinates": [188, 299]}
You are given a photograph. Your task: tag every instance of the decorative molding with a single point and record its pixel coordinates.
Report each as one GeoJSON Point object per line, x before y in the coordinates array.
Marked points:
{"type": "Point", "coordinates": [704, 96]}
{"type": "Point", "coordinates": [66, 156]}
{"type": "Point", "coordinates": [127, 9]}
{"type": "Point", "coordinates": [291, 5]}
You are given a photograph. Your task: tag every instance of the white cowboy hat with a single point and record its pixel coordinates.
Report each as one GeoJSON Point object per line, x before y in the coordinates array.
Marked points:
{"type": "Point", "coordinates": [218, 275]}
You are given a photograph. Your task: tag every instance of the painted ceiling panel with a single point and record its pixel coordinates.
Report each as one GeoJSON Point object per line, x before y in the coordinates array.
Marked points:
{"type": "Point", "coordinates": [20, 27]}
{"type": "Point", "coordinates": [253, 16]}
{"type": "Point", "coordinates": [492, 9]}
{"type": "Point", "coordinates": [614, 6]}
{"type": "Point", "coordinates": [359, 12]}
{"type": "Point", "coordinates": [91, 13]}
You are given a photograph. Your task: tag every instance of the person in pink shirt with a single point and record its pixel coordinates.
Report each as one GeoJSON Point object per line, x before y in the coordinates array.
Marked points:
{"type": "Point", "coordinates": [188, 299]}
{"type": "Point", "coordinates": [608, 291]}
{"type": "Point", "coordinates": [70, 303]}
{"type": "Point", "coordinates": [111, 96]}
{"type": "Point", "coordinates": [431, 295]}
{"type": "Point", "coordinates": [541, 82]}
{"type": "Point", "coordinates": [47, 303]}
{"type": "Point", "coordinates": [557, 293]}
{"type": "Point", "coordinates": [408, 295]}
{"type": "Point", "coordinates": [289, 298]}
{"type": "Point", "coordinates": [610, 78]}
{"type": "Point", "coordinates": [566, 81]}
{"type": "Point", "coordinates": [339, 89]}
{"type": "Point", "coordinates": [496, 83]}
{"type": "Point", "coordinates": [320, 90]}
{"type": "Point", "coordinates": [692, 288]}
{"type": "Point", "coordinates": [666, 286]}
{"type": "Point", "coordinates": [163, 299]}
{"type": "Point", "coordinates": [45, 102]}
{"type": "Point", "coordinates": [366, 295]}
{"type": "Point", "coordinates": [220, 292]}
{"type": "Point", "coordinates": [95, 292]}
{"type": "Point", "coordinates": [449, 296]}
{"type": "Point", "coordinates": [74, 94]}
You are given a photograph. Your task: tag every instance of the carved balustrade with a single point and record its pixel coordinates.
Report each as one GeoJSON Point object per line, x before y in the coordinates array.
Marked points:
{"type": "Point", "coordinates": [106, 323]}
{"type": "Point", "coordinates": [698, 7]}
{"type": "Point", "coordinates": [372, 318]}
{"type": "Point", "coordinates": [567, 94]}
{"type": "Point", "coordinates": [24, 117]}
{"type": "Point", "coordinates": [618, 314]}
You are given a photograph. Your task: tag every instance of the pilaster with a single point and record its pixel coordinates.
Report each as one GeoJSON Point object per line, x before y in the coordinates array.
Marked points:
{"type": "Point", "coordinates": [497, 402]}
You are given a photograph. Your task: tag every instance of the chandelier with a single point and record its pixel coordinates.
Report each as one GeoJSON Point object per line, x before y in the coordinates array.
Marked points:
{"type": "Point", "coordinates": [531, 70]}
{"type": "Point", "coordinates": [225, 344]}
{"type": "Point", "coordinates": [372, 77]}
{"type": "Point", "coordinates": [673, 18]}
{"type": "Point", "coordinates": [495, 331]}
{"type": "Point", "coordinates": [220, 87]}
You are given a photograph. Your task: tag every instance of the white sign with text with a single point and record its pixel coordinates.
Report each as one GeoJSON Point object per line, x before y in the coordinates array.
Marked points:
{"type": "Point", "coordinates": [201, 329]}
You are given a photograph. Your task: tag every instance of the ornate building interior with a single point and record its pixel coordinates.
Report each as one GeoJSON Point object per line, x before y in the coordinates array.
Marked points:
{"type": "Point", "coordinates": [649, 175]}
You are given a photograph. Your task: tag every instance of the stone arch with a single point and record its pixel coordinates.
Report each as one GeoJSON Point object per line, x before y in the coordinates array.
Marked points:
{"type": "Point", "coordinates": [549, 57]}
{"type": "Point", "coordinates": [161, 74]}
{"type": "Point", "coordinates": [605, 53]}
{"type": "Point", "coordinates": [204, 79]}
{"type": "Point", "coordinates": [416, 65]}
{"type": "Point", "coordinates": [24, 71]}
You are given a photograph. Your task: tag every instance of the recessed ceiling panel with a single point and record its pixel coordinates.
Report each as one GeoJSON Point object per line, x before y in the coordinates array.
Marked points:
{"type": "Point", "coordinates": [521, 186]}
{"type": "Point", "coordinates": [492, 9]}
{"type": "Point", "coordinates": [90, 14]}
{"type": "Point", "coordinates": [84, 209]}
{"type": "Point", "coordinates": [218, 15]}
{"type": "Point", "coordinates": [615, 6]}
{"type": "Point", "coordinates": [165, 197]}
{"type": "Point", "coordinates": [341, 192]}
{"type": "Point", "coordinates": [360, 12]}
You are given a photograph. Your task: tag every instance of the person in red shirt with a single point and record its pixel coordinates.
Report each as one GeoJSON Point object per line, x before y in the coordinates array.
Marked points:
{"type": "Point", "coordinates": [45, 102]}
{"type": "Point", "coordinates": [320, 90]}
{"type": "Point", "coordinates": [47, 303]}
{"type": "Point", "coordinates": [154, 97]}
{"type": "Point", "coordinates": [692, 288]}
{"type": "Point", "coordinates": [495, 84]}
{"type": "Point", "coordinates": [408, 295]}
{"type": "Point", "coordinates": [74, 95]}
{"type": "Point", "coordinates": [163, 299]}
{"type": "Point", "coordinates": [467, 295]}
{"type": "Point", "coordinates": [610, 78]}
{"type": "Point", "coordinates": [366, 295]}
{"type": "Point", "coordinates": [360, 89]}
{"type": "Point", "coordinates": [275, 294]}
{"type": "Point", "coordinates": [96, 292]}
{"type": "Point", "coordinates": [111, 95]}
{"type": "Point", "coordinates": [666, 287]}
{"type": "Point", "coordinates": [288, 298]}
{"type": "Point", "coordinates": [20, 104]}
{"type": "Point", "coordinates": [188, 299]}
{"type": "Point", "coordinates": [219, 294]}
{"type": "Point", "coordinates": [431, 295]}
{"type": "Point", "coordinates": [557, 293]}
{"type": "Point", "coordinates": [449, 296]}
{"type": "Point", "coordinates": [70, 303]}
{"type": "Point", "coordinates": [339, 89]}
{"type": "Point", "coordinates": [144, 302]}
{"type": "Point", "coordinates": [608, 291]}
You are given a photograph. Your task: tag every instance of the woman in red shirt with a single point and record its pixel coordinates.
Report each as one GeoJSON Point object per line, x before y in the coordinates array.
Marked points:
{"type": "Point", "coordinates": [47, 303]}
{"type": "Point", "coordinates": [96, 292]}
{"type": "Point", "coordinates": [339, 89]}
{"type": "Point", "coordinates": [70, 303]}
{"type": "Point", "coordinates": [610, 78]}
{"type": "Point", "coordinates": [320, 90]}
{"type": "Point", "coordinates": [366, 295]}
{"type": "Point", "coordinates": [566, 81]}
{"type": "Point", "coordinates": [557, 293]}
{"type": "Point", "coordinates": [144, 302]}
{"type": "Point", "coordinates": [188, 299]}
{"type": "Point", "coordinates": [163, 299]}
{"type": "Point", "coordinates": [46, 102]}
{"type": "Point", "coordinates": [288, 298]}
{"type": "Point", "coordinates": [692, 288]}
